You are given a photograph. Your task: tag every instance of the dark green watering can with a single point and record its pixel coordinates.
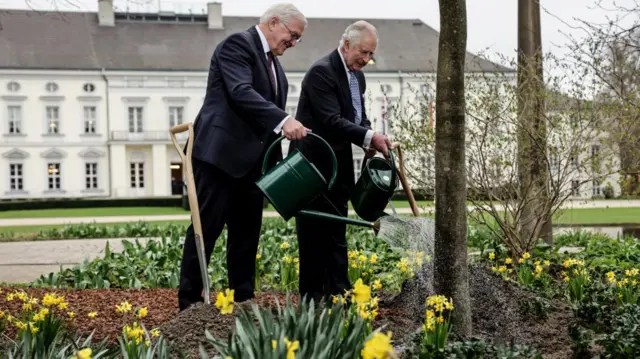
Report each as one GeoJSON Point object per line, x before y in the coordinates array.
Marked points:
{"type": "Point", "coordinates": [374, 188]}
{"type": "Point", "coordinates": [295, 182]}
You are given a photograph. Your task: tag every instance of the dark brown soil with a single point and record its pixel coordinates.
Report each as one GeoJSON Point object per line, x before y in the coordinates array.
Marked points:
{"type": "Point", "coordinates": [186, 330]}
{"type": "Point", "coordinates": [497, 313]}
{"type": "Point", "coordinates": [495, 302]}
{"type": "Point", "coordinates": [162, 305]}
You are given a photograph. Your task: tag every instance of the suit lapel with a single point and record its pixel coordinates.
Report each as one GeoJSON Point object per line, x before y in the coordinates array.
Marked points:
{"type": "Point", "coordinates": [338, 67]}
{"type": "Point", "coordinates": [261, 54]}
{"type": "Point", "coordinates": [361, 80]}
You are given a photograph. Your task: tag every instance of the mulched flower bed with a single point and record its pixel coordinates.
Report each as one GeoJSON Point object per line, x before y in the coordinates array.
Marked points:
{"type": "Point", "coordinates": [162, 305]}
{"type": "Point", "coordinates": [495, 313]}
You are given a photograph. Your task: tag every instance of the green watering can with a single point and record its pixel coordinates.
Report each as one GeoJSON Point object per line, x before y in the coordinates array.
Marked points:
{"type": "Point", "coordinates": [295, 182]}
{"type": "Point", "coordinates": [374, 188]}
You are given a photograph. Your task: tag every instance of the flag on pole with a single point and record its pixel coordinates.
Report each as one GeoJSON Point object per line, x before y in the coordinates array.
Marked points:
{"type": "Point", "coordinates": [385, 112]}
{"type": "Point", "coordinates": [430, 115]}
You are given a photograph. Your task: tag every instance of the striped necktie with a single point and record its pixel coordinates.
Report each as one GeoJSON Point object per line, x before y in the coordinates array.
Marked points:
{"type": "Point", "coordinates": [355, 96]}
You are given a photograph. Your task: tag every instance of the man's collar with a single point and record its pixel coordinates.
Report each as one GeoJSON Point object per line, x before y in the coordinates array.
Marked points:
{"type": "Point", "coordinates": [265, 44]}
{"type": "Point", "coordinates": [346, 70]}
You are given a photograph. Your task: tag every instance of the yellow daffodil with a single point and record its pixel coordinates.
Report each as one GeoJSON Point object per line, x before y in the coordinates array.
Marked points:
{"type": "Point", "coordinates": [224, 302]}
{"type": "Point", "coordinates": [142, 312]}
{"type": "Point", "coordinates": [291, 348]}
{"type": "Point", "coordinates": [361, 292]}
{"type": "Point", "coordinates": [378, 347]}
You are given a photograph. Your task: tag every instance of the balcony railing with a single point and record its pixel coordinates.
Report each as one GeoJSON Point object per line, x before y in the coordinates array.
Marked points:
{"type": "Point", "coordinates": [145, 136]}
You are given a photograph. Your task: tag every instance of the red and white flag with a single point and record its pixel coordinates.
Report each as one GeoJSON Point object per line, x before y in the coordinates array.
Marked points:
{"type": "Point", "coordinates": [385, 113]}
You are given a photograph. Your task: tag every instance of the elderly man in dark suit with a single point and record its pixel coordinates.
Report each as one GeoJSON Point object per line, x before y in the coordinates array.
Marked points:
{"type": "Point", "coordinates": [331, 104]}
{"type": "Point", "coordinates": [242, 114]}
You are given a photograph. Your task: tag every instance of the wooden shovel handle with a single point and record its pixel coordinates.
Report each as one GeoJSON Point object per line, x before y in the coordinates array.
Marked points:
{"type": "Point", "coordinates": [193, 201]}
{"type": "Point", "coordinates": [405, 183]}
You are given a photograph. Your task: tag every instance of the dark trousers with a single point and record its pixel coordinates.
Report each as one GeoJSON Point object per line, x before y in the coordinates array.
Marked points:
{"type": "Point", "coordinates": [238, 203]}
{"type": "Point", "coordinates": [323, 248]}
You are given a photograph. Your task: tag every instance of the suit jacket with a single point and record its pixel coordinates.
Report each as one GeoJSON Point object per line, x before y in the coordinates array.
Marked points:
{"type": "Point", "coordinates": [240, 111]}
{"type": "Point", "coordinates": [326, 108]}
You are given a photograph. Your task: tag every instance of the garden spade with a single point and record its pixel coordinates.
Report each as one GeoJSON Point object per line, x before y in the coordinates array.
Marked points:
{"type": "Point", "coordinates": [193, 201]}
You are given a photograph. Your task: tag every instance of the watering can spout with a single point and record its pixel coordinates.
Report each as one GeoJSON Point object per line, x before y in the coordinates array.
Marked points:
{"type": "Point", "coordinates": [332, 217]}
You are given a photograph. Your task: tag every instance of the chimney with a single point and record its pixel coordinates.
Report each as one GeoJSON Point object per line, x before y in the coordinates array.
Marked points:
{"type": "Point", "coordinates": [106, 16]}
{"type": "Point", "coordinates": [214, 12]}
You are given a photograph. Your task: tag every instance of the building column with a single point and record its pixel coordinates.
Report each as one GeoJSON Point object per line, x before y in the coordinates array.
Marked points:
{"type": "Point", "coordinates": [161, 174]}
{"type": "Point", "coordinates": [119, 171]}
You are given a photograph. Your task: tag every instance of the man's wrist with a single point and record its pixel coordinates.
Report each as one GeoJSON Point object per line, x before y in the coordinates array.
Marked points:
{"type": "Point", "coordinates": [278, 128]}
{"type": "Point", "coordinates": [368, 137]}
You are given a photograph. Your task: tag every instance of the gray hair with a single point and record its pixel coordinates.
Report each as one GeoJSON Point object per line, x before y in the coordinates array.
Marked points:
{"type": "Point", "coordinates": [285, 12]}
{"type": "Point", "coordinates": [354, 32]}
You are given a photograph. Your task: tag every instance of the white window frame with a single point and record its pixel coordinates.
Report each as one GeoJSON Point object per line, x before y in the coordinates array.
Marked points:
{"type": "Point", "coordinates": [9, 101]}
{"type": "Point", "coordinates": [595, 153]}
{"type": "Point", "coordinates": [136, 174]}
{"type": "Point", "coordinates": [49, 119]}
{"type": "Point", "coordinates": [575, 189]}
{"type": "Point", "coordinates": [357, 168]}
{"type": "Point", "coordinates": [596, 190]}
{"type": "Point", "coordinates": [135, 124]}
{"type": "Point", "coordinates": [91, 176]}
{"type": "Point", "coordinates": [89, 123]}
{"type": "Point", "coordinates": [134, 102]}
{"type": "Point", "coordinates": [54, 177]}
{"type": "Point", "coordinates": [16, 177]}
{"type": "Point", "coordinates": [14, 126]}
{"type": "Point", "coordinates": [176, 115]}
{"type": "Point", "coordinates": [170, 104]}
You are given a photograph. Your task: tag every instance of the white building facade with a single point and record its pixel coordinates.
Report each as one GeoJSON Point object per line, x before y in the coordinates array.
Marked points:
{"type": "Point", "coordinates": [54, 135]}
{"type": "Point", "coordinates": [106, 133]}
{"type": "Point", "coordinates": [93, 120]}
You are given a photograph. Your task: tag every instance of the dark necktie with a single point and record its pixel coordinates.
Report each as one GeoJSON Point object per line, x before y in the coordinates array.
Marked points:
{"type": "Point", "coordinates": [272, 76]}
{"type": "Point", "coordinates": [355, 96]}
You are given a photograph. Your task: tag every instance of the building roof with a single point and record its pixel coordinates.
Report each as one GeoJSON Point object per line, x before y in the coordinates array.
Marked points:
{"type": "Point", "coordinates": [75, 40]}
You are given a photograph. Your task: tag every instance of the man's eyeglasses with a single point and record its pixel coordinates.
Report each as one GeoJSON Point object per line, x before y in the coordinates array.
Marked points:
{"type": "Point", "coordinates": [294, 35]}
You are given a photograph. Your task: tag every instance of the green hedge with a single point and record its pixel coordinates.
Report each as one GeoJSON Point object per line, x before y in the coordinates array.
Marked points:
{"type": "Point", "coordinates": [48, 203]}
{"type": "Point", "coordinates": [45, 203]}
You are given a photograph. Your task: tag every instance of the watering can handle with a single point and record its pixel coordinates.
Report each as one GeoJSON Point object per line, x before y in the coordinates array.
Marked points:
{"type": "Point", "coordinates": [334, 161]}
{"type": "Point", "coordinates": [394, 171]}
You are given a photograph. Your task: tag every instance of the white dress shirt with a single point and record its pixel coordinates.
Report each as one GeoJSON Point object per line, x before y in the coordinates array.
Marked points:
{"type": "Point", "coordinates": [265, 48]}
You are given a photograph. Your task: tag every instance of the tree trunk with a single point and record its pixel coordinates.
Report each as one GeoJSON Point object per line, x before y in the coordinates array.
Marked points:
{"type": "Point", "coordinates": [532, 133]}
{"type": "Point", "coordinates": [451, 268]}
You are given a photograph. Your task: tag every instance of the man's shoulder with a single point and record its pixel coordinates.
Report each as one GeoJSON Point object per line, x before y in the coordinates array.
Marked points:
{"type": "Point", "coordinates": [361, 76]}
{"type": "Point", "coordinates": [322, 65]}
{"type": "Point", "coordinates": [237, 38]}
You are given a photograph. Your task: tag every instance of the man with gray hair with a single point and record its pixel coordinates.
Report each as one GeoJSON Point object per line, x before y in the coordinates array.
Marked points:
{"type": "Point", "coordinates": [331, 104]}
{"type": "Point", "coordinates": [242, 114]}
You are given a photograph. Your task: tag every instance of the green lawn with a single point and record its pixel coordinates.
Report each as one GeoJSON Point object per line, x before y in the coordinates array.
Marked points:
{"type": "Point", "coordinates": [127, 211]}
{"type": "Point", "coordinates": [598, 216]}
{"type": "Point", "coordinates": [38, 228]}
{"type": "Point", "coordinates": [92, 212]}
{"type": "Point", "coordinates": [583, 216]}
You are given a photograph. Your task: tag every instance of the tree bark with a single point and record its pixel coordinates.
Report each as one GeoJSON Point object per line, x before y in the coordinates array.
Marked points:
{"type": "Point", "coordinates": [451, 267]}
{"type": "Point", "coordinates": [532, 131]}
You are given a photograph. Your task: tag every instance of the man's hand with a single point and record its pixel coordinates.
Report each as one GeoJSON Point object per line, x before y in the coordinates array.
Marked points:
{"type": "Point", "coordinates": [293, 129]}
{"type": "Point", "coordinates": [381, 143]}
{"type": "Point", "coordinates": [370, 153]}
